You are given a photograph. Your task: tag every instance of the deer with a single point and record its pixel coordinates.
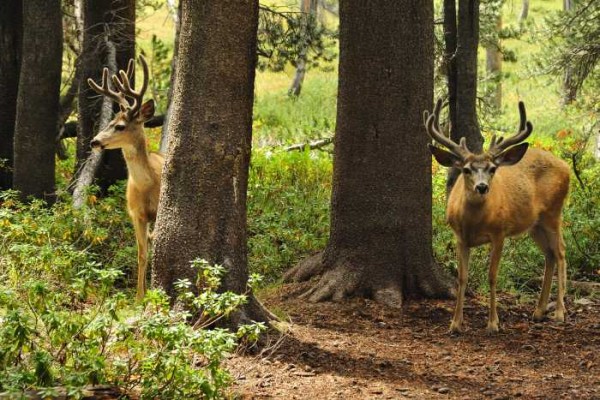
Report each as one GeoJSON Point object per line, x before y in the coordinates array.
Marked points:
{"type": "Point", "coordinates": [126, 132]}
{"type": "Point", "coordinates": [506, 191]}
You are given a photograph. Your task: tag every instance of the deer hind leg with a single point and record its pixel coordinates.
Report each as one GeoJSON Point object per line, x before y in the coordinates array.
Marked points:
{"type": "Point", "coordinates": [141, 235]}
{"type": "Point", "coordinates": [561, 263]}
{"type": "Point", "coordinates": [542, 238]}
{"type": "Point", "coordinates": [457, 324]}
{"type": "Point", "coordinates": [496, 253]}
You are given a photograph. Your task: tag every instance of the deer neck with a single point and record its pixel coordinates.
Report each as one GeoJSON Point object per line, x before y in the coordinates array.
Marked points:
{"type": "Point", "coordinates": [138, 163]}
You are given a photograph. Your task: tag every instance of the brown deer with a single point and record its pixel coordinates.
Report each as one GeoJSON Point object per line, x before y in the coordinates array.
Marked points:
{"type": "Point", "coordinates": [126, 131]}
{"type": "Point", "coordinates": [504, 192]}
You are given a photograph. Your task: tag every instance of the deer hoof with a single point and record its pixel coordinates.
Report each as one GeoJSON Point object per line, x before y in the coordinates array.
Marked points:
{"type": "Point", "coordinates": [492, 328]}
{"type": "Point", "coordinates": [456, 327]}
{"type": "Point", "coordinates": [559, 316]}
{"type": "Point", "coordinates": [539, 316]}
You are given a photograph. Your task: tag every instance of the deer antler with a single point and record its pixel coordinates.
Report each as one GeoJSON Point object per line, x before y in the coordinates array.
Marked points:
{"type": "Point", "coordinates": [123, 86]}
{"type": "Point", "coordinates": [499, 144]}
{"type": "Point", "coordinates": [431, 122]}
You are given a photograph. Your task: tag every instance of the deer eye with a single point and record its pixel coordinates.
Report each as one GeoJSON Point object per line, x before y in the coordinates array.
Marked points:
{"type": "Point", "coordinates": [466, 171]}
{"type": "Point", "coordinates": [119, 128]}
{"type": "Point", "coordinates": [493, 170]}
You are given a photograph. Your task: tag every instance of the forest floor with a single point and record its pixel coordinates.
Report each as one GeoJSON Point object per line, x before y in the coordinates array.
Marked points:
{"type": "Point", "coordinates": [360, 350]}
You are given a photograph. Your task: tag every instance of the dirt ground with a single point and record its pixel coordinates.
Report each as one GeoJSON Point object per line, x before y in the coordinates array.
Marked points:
{"type": "Point", "coordinates": [359, 350]}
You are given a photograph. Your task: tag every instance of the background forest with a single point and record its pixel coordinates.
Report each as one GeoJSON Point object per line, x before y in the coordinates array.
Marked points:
{"type": "Point", "coordinates": [68, 254]}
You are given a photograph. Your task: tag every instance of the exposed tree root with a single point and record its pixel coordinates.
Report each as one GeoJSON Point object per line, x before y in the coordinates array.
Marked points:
{"type": "Point", "coordinates": [354, 277]}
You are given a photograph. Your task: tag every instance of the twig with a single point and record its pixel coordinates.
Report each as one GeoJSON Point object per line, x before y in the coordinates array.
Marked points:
{"type": "Point", "coordinates": [316, 144]}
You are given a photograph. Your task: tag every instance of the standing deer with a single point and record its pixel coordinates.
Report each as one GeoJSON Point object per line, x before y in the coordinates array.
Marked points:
{"type": "Point", "coordinates": [126, 131]}
{"type": "Point", "coordinates": [504, 192]}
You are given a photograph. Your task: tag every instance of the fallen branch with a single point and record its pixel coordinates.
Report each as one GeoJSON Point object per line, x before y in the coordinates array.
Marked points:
{"type": "Point", "coordinates": [586, 288]}
{"type": "Point", "coordinates": [316, 144]}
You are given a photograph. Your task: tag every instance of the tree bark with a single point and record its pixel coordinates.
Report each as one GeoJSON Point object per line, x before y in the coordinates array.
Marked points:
{"type": "Point", "coordinates": [465, 123]}
{"type": "Point", "coordinates": [524, 11]}
{"type": "Point", "coordinates": [493, 57]}
{"type": "Point", "coordinates": [309, 8]}
{"type": "Point", "coordinates": [450, 41]}
{"type": "Point", "coordinates": [569, 87]}
{"type": "Point", "coordinates": [10, 60]}
{"type": "Point", "coordinates": [202, 210]}
{"type": "Point", "coordinates": [38, 99]}
{"type": "Point", "coordinates": [380, 238]}
{"type": "Point", "coordinates": [164, 137]}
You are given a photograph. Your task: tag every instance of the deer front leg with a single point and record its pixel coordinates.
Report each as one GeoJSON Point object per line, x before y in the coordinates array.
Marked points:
{"type": "Point", "coordinates": [457, 324]}
{"type": "Point", "coordinates": [496, 253]}
{"type": "Point", "coordinates": [141, 236]}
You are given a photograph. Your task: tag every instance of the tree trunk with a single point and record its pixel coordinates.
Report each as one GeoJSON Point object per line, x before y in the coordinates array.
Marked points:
{"type": "Point", "coordinates": [202, 210]}
{"type": "Point", "coordinates": [569, 86]}
{"type": "Point", "coordinates": [164, 137]}
{"type": "Point", "coordinates": [38, 99]}
{"type": "Point", "coordinates": [524, 11]}
{"type": "Point", "coordinates": [122, 34]}
{"type": "Point", "coordinates": [10, 59]}
{"type": "Point", "coordinates": [119, 17]}
{"type": "Point", "coordinates": [380, 240]}
{"type": "Point", "coordinates": [466, 123]}
{"type": "Point", "coordinates": [309, 8]}
{"type": "Point", "coordinates": [450, 39]}
{"type": "Point", "coordinates": [493, 57]}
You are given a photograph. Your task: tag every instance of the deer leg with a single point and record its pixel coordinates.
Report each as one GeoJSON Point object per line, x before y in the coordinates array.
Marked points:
{"type": "Point", "coordinates": [541, 238]}
{"type": "Point", "coordinates": [559, 315]}
{"type": "Point", "coordinates": [141, 235]}
{"type": "Point", "coordinates": [496, 253]}
{"type": "Point", "coordinates": [463, 268]}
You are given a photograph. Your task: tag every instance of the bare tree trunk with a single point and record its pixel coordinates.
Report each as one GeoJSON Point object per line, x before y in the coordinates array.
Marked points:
{"type": "Point", "coordinates": [524, 11]}
{"type": "Point", "coordinates": [202, 210]}
{"type": "Point", "coordinates": [164, 137]}
{"type": "Point", "coordinates": [380, 240]}
{"type": "Point", "coordinates": [90, 167]}
{"type": "Point", "coordinates": [38, 99]}
{"type": "Point", "coordinates": [494, 66]}
{"type": "Point", "coordinates": [450, 41]}
{"type": "Point", "coordinates": [466, 123]}
{"type": "Point", "coordinates": [104, 21]}
{"type": "Point", "coordinates": [569, 86]}
{"type": "Point", "coordinates": [10, 59]}
{"type": "Point", "coordinates": [309, 8]}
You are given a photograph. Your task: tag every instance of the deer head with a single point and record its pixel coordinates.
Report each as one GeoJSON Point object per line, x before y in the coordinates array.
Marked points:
{"type": "Point", "coordinates": [477, 169]}
{"type": "Point", "coordinates": [126, 129]}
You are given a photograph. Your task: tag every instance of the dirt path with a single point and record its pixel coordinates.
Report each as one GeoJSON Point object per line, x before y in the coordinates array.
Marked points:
{"type": "Point", "coordinates": [359, 350]}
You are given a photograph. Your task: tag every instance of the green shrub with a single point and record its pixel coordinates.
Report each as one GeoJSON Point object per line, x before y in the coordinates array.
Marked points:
{"type": "Point", "coordinates": [79, 332]}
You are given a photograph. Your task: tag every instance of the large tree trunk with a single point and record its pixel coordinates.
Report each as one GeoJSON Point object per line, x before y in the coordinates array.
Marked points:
{"type": "Point", "coordinates": [38, 99]}
{"type": "Point", "coordinates": [10, 59]}
{"type": "Point", "coordinates": [202, 210]}
{"type": "Point", "coordinates": [380, 240]}
{"type": "Point", "coordinates": [164, 137]}
{"type": "Point", "coordinates": [119, 17]}
{"type": "Point", "coordinates": [465, 122]}
{"type": "Point", "coordinates": [309, 8]}
{"type": "Point", "coordinates": [493, 58]}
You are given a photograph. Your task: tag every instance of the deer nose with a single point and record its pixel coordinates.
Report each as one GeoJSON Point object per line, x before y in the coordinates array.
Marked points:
{"type": "Point", "coordinates": [482, 188]}
{"type": "Point", "coordinates": [95, 144]}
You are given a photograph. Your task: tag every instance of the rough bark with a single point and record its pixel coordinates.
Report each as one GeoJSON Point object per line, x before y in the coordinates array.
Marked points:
{"type": "Point", "coordinates": [309, 7]}
{"type": "Point", "coordinates": [38, 99]}
{"type": "Point", "coordinates": [10, 56]}
{"type": "Point", "coordinates": [380, 238]}
{"type": "Point", "coordinates": [465, 122]}
{"type": "Point", "coordinates": [119, 17]}
{"type": "Point", "coordinates": [202, 210]}
{"type": "Point", "coordinates": [524, 11]}
{"type": "Point", "coordinates": [164, 137]}
{"type": "Point", "coordinates": [493, 58]}
{"type": "Point", "coordinates": [569, 86]}
{"type": "Point", "coordinates": [450, 39]}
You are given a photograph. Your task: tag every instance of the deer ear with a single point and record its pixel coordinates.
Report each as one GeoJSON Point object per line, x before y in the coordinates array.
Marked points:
{"type": "Point", "coordinates": [444, 157]}
{"type": "Point", "coordinates": [147, 110]}
{"type": "Point", "coordinates": [511, 156]}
